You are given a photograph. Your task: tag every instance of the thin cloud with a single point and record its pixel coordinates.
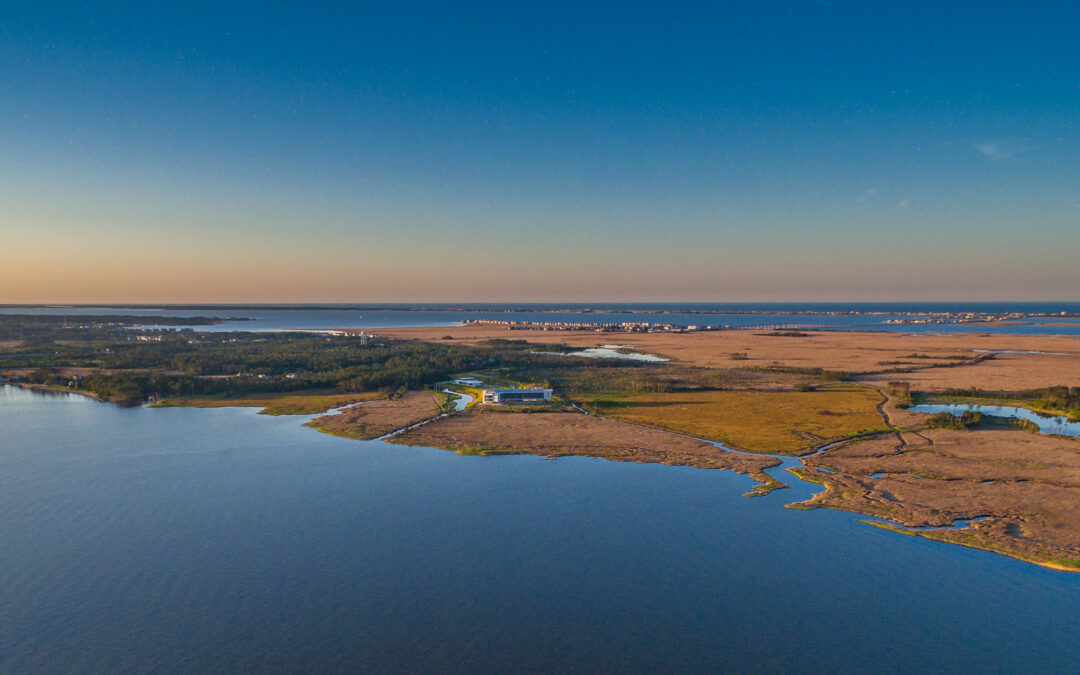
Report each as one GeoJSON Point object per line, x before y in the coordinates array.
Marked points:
{"type": "Point", "coordinates": [866, 196]}
{"type": "Point", "coordinates": [903, 203]}
{"type": "Point", "coordinates": [993, 150]}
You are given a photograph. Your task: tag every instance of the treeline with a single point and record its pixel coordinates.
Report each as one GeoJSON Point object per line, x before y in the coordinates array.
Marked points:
{"type": "Point", "coordinates": [290, 353]}
{"type": "Point", "coordinates": [82, 326]}
{"type": "Point", "coordinates": [60, 340]}
{"type": "Point", "coordinates": [819, 373]}
{"type": "Point", "coordinates": [953, 362]}
{"type": "Point", "coordinates": [129, 386]}
{"type": "Point", "coordinates": [137, 364]}
{"type": "Point", "coordinates": [238, 363]}
{"type": "Point", "coordinates": [1061, 397]}
{"type": "Point", "coordinates": [1054, 398]}
{"type": "Point", "coordinates": [279, 363]}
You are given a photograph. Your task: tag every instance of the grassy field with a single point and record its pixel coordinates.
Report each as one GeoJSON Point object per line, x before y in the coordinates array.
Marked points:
{"type": "Point", "coordinates": [788, 423]}
{"type": "Point", "coordinates": [285, 404]}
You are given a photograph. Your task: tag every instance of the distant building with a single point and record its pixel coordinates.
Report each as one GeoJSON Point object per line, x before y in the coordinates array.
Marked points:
{"type": "Point", "coordinates": [468, 382]}
{"type": "Point", "coordinates": [503, 396]}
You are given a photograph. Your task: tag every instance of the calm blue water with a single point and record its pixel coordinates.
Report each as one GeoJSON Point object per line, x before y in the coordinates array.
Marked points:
{"type": "Point", "coordinates": [221, 540]}
{"type": "Point", "coordinates": [371, 317]}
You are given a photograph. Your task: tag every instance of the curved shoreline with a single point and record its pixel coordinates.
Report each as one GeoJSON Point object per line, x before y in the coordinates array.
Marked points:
{"type": "Point", "coordinates": [767, 479]}
{"type": "Point", "coordinates": [48, 389]}
{"type": "Point", "coordinates": [793, 464]}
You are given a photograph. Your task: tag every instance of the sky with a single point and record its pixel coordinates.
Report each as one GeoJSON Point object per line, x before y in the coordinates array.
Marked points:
{"type": "Point", "coordinates": [607, 151]}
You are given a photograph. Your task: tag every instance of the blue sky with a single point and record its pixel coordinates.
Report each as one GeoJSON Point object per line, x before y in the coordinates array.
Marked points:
{"type": "Point", "coordinates": [549, 151]}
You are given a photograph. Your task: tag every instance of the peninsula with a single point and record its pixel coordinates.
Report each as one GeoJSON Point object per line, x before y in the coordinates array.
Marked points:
{"type": "Point", "coordinates": [846, 403]}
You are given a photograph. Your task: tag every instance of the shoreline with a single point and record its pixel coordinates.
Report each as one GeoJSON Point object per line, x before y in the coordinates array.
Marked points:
{"type": "Point", "coordinates": [928, 534]}
{"type": "Point", "coordinates": [766, 481]}
{"type": "Point", "coordinates": [759, 401]}
{"type": "Point", "coordinates": [50, 389]}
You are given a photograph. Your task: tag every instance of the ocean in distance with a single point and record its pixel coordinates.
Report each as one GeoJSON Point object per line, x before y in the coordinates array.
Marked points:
{"type": "Point", "coordinates": [219, 540]}
{"type": "Point", "coordinates": [876, 316]}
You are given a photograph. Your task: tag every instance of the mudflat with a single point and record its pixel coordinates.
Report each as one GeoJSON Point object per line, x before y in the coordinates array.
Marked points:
{"type": "Point", "coordinates": [558, 434]}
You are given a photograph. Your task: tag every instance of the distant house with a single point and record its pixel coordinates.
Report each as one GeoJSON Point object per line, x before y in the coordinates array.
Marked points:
{"type": "Point", "coordinates": [504, 396]}
{"type": "Point", "coordinates": [468, 382]}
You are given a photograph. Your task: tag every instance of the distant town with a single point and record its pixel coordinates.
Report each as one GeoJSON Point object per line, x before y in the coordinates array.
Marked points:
{"type": "Point", "coordinates": [936, 318]}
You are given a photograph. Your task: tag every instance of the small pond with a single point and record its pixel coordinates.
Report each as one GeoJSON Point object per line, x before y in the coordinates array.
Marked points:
{"type": "Point", "coordinates": [1047, 424]}
{"type": "Point", "coordinates": [613, 352]}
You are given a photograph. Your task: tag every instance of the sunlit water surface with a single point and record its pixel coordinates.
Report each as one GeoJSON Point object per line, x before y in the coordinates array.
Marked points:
{"type": "Point", "coordinates": [219, 540]}
{"type": "Point", "coordinates": [877, 316]}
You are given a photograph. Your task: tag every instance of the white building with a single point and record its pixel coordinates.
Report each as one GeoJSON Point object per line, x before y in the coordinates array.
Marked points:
{"type": "Point", "coordinates": [468, 382]}
{"type": "Point", "coordinates": [503, 396]}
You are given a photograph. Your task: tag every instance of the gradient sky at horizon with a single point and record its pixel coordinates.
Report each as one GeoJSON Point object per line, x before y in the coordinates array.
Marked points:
{"type": "Point", "coordinates": [765, 151]}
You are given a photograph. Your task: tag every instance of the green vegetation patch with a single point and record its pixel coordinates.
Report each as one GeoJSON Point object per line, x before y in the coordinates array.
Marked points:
{"type": "Point", "coordinates": [944, 420]}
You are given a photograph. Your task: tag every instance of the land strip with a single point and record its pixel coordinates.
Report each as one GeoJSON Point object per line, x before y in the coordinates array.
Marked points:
{"type": "Point", "coordinates": [778, 392]}
{"type": "Point", "coordinates": [377, 418]}
{"type": "Point", "coordinates": [570, 433]}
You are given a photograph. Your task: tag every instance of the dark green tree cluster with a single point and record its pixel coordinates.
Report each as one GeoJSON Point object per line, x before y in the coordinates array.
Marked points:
{"type": "Point", "coordinates": [964, 420]}
{"type": "Point", "coordinates": [1066, 399]}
